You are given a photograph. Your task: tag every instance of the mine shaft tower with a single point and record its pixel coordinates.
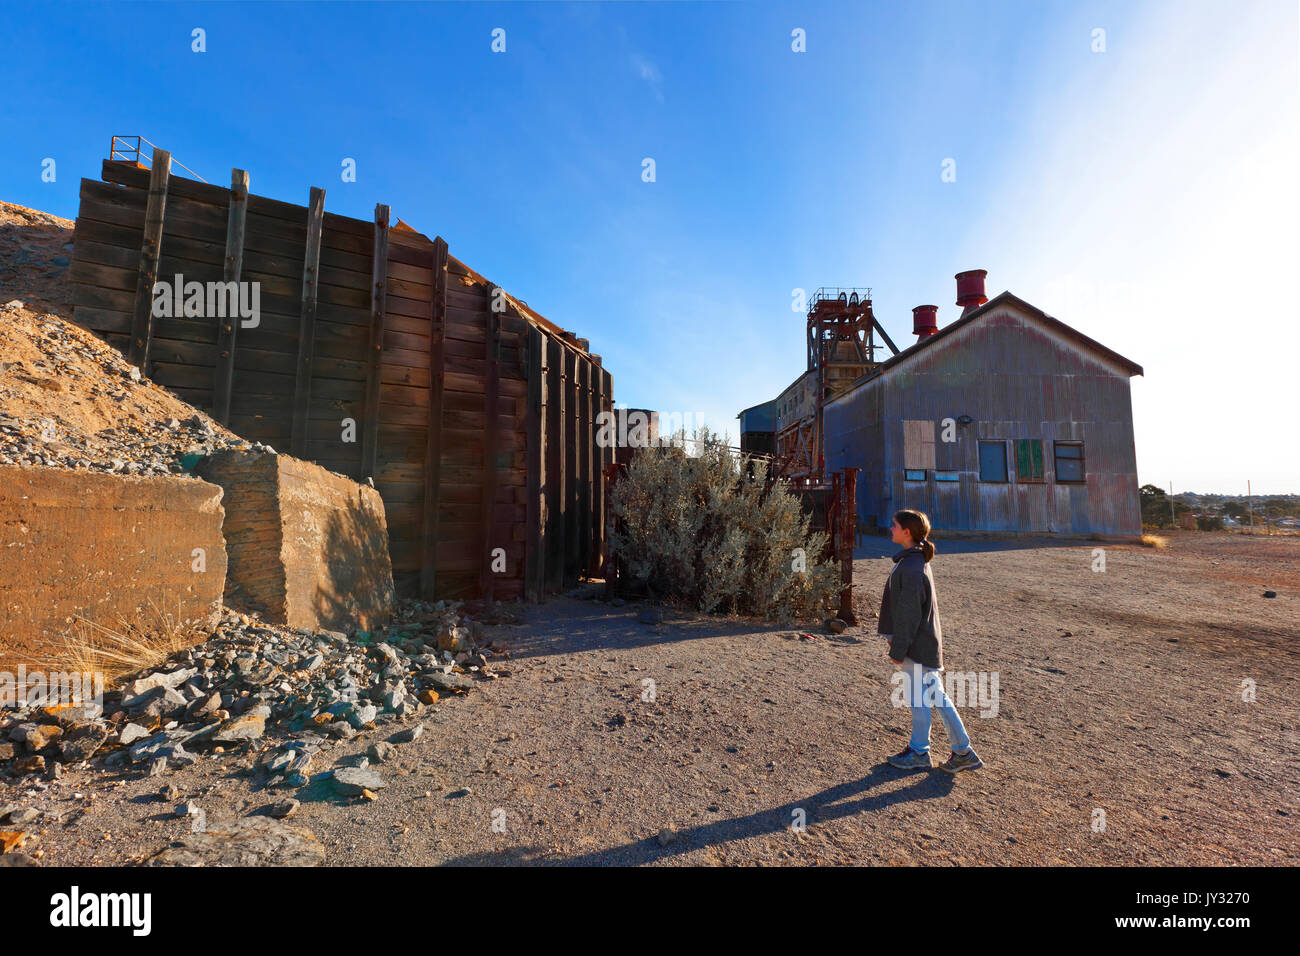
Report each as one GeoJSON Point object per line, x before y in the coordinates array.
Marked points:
{"type": "Point", "coordinates": [842, 348]}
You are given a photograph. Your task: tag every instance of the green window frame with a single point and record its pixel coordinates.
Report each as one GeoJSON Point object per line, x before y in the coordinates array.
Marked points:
{"type": "Point", "coordinates": [1029, 459]}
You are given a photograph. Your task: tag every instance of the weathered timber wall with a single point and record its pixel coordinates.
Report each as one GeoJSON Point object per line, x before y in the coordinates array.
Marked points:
{"type": "Point", "coordinates": [376, 355]}
{"type": "Point", "coordinates": [119, 552]}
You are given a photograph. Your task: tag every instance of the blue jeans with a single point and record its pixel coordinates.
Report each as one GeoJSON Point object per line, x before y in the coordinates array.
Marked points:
{"type": "Point", "coordinates": [923, 689]}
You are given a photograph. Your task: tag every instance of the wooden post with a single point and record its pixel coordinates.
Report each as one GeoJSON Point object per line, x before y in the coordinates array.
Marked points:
{"type": "Point", "coordinates": [150, 251]}
{"type": "Point", "coordinates": [307, 323]}
{"type": "Point", "coordinates": [491, 388]}
{"type": "Point", "coordinates": [433, 438]}
{"type": "Point", "coordinates": [224, 371]}
{"type": "Point", "coordinates": [535, 510]}
{"type": "Point", "coordinates": [848, 527]}
{"type": "Point", "coordinates": [599, 450]}
{"type": "Point", "coordinates": [572, 550]}
{"type": "Point", "coordinates": [374, 362]}
{"type": "Point", "coordinates": [585, 494]}
{"type": "Point", "coordinates": [556, 476]}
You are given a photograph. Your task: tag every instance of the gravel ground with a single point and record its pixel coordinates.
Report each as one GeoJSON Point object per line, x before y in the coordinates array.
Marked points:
{"type": "Point", "coordinates": [1119, 691]}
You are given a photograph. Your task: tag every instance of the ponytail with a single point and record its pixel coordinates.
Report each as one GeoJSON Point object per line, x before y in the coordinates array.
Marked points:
{"type": "Point", "coordinates": [917, 524]}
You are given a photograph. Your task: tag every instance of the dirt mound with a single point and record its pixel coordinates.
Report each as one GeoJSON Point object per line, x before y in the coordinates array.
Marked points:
{"type": "Point", "coordinates": [68, 399]}
{"type": "Point", "coordinates": [35, 253]}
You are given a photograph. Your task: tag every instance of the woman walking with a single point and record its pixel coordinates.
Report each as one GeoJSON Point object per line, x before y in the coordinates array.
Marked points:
{"type": "Point", "coordinates": [909, 620]}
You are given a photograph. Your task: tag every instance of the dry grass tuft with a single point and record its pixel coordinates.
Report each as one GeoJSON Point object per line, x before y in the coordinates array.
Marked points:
{"type": "Point", "coordinates": [1154, 541]}
{"type": "Point", "coordinates": [147, 641]}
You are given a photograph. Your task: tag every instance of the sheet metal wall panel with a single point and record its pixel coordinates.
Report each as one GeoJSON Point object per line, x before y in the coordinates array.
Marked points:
{"type": "Point", "coordinates": [1016, 380]}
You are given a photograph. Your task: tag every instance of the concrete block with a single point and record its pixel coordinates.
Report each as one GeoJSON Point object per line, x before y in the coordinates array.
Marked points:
{"type": "Point", "coordinates": [308, 548]}
{"type": "Point", "coordinates": [119, 551]}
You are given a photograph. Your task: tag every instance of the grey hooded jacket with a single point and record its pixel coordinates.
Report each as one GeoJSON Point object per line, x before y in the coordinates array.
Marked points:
{"type": "Point", "coordinates": [909, 611]}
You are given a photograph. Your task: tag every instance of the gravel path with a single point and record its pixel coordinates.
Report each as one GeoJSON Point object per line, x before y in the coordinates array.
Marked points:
{"type": "Point", "coordinates": [1118, 691]}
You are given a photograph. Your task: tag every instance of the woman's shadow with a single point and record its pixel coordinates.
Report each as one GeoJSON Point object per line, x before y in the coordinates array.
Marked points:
{"type": "Point", "coordinates": [834, 803]}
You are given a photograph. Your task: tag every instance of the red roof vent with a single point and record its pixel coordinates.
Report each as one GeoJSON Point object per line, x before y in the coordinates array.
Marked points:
{"type": "Point", "coordinates": [970, 289]}
{"type": "Point", "coordinates": [925, 321]}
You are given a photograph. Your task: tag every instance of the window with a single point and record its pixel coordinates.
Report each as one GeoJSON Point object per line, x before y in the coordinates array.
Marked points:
{"type": "Point", "coordinates": [1029, 459]}
{"type": "Point", "coordinates": [918, 444]}
{"type": "Point", "coordinates": [914, 474]}
{"type": "Point", "coordinates": [945, 476]}
{"type": "Point", "coordinates": [993, 461]}
{"type": "Point", "coordinates": [1069, 461]}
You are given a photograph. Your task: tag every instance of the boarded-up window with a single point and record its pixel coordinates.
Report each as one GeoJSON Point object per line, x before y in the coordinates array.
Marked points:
{"type": "Point", "coordinates": [1069, 461]}
{"type": "Point", "coordinates": [1029, 459]}
{"type": "Point", "coordinates": [918, 444]}
{"type": "Point", "coordinates": [993, 461]}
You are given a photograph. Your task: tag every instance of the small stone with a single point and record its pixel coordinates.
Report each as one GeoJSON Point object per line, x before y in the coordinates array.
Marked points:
{"type": "Point", "coordinates": [83, 742]}
{"type": "Point", "coordinates": [148, 683]}
{"type": "Point", "coordinates": [26, 815]}
{"type": "Point", "coordinates": [38, 738]}
{"type": "Point", "coordinates": [457, 794]}
{"type": "Point", "coordinates": [1270, 594]}
{"type": "Point", "coordinates": [381, 751]}
{"type": "Point", "coordinates": [427, 697]}
{"type": "Point", "coordinates": [187, 809]}
{"type": "Point", "coordinates": [157, 766]}
{"type": "Point", "coordinates": [835, 626]}
{"type": "Point", "coordinates": [247, 727]}
{"type": "Point", "coordinates": [353, 780]}
{"type": "Point", "coordinates": [283, 809]}
{"type": "Point", "coordinates": [253, 841]}
{"type": "Point", "coordinates": [69, 717]}
{"type": "Point", "coordinates": [363, 715]}
{"type": "Point", "coordinates": [409, 736]}
{"type": "Point", "coordinates": [131, 733]}
{"type": "Point", "coordinates": [447, 683]}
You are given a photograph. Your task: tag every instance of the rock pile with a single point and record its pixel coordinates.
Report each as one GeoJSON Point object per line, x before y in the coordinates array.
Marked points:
{"type": "Point", "coordinates": [223, 697]}
{"type": "Point", "coordinates": [65, 385]}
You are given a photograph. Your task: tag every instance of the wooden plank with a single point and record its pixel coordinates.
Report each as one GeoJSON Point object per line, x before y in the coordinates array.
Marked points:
{"type": "Point", "coordinates": [491, 383]}
{"type": "Point", "coordinates": [572, 550]}
{"type": "Point", "coordinates": [555, 442]}
{"type": "Point", "coordinates": [378, 292]}
{"type": "Point", "coordinates": [307, 323]}
{"type": "Point", "coordinates": [534, 541]}
{"type": "Point", "coordinates": [223, 378]}
{"type": "Point", "coordinates": [150, 252]}
{"type": "Point", "coordinates": [433, 439]}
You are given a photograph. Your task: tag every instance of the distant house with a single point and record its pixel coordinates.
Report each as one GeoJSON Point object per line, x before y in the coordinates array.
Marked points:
{"type": "Point", "coordinates": [1005, 420]}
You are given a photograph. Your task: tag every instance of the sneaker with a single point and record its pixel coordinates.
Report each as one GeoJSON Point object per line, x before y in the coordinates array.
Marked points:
{"type": "Point", "coordinates": [959, 762]}
{"type": "Point", "coordinates": [909, 759]}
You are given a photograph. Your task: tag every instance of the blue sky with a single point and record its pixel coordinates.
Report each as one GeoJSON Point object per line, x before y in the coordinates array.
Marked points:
{"type": "Point", "coordinates": [1146, 194]}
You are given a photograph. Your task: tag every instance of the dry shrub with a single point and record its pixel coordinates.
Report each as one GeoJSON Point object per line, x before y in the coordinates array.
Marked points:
{"type": "Point", "coordinates": [698, 529]}
{"type": "Point", "coordinates": [145, 641]}
{"type": "Point", "coordinates": [1154, 541]}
